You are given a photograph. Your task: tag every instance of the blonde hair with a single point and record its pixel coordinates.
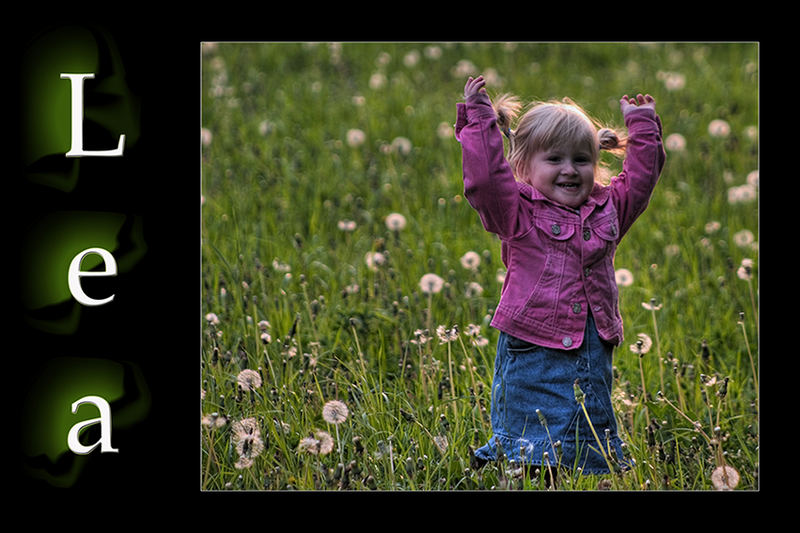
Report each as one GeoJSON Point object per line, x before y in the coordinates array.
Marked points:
{"type": "Point", "coordinates": [553, 123]}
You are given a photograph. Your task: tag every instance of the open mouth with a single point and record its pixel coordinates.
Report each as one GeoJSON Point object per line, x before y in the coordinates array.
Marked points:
{"type": "Point", "coordinates": [568, 186]}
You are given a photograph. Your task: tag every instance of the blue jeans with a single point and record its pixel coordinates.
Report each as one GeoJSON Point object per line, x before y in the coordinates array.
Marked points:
{"type": "Point", "coordinates": [528, 377]}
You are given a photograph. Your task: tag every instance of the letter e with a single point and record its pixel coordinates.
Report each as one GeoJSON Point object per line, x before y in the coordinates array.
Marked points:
{"type": "Point", "coordinates": [74, 274]}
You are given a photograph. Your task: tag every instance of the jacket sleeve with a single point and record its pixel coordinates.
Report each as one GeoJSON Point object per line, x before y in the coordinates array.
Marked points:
{"type": "Point", "coordinates": [644, 160]}
{"type": "Point", "coordinates": [489, 184]}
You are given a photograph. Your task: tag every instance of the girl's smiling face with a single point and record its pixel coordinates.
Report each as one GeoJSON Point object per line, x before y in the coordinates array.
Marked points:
{"type": "Point", "coordinates": [563, 174]}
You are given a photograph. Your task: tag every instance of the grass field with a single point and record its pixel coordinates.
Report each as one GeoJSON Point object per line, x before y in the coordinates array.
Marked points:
{"type": "Point", "coordinates": [331, 185]}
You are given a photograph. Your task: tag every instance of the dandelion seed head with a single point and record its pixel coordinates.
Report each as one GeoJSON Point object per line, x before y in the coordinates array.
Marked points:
{"type": "Point", "coordinates": [441, 443]}
{"type": "Point", "coordinates": [742, 194]}
{"type": "Point", "coordinates": [374, 260]}
{"type": "Point", "coordinates": [479, 341]}
{"type": "Point", "coordinates": [752, 178]}
{"type": "Point", "coordinates": [206, 136]}
{"type": "Point", "coordinates": [308, 445]}
{"type": "Point", "coordinates": [400, 145]}
{"type": "Point", "coordinates": [473, 289]}
{"type": "Point", "coordinates": [743, 238]}
{"type": "Point", "coordinates": [444, 130]}
{"type": "Point", "coordinates": [245, 426]}
{"type": "Point", "coordinates": [446, 334]}
{"type": "Point", "coordinates": [421, 336]}
{"type": "Point", "coordinates": [471, 260]}
{"type": "Point", "coordinates": [643, 344]}
{"type": "Point", "coordinates": [674, 81]}
{"type": "Point", "coordinates": [334, 412]}
{"type": "Point", "coordinates": [346, 225]}
{"type": "Point", "coordinates": [725, 478]}
{"type": "Point", "coordinates": [249, 379]}
{"type": "Point", "coordinates": [355, 137]}
{"type": "Point", "coordinates": [719, 128]}
{"type": "Point", "coordinates": [433, 52]}
{"type": "Point", "coordinates": [623, 277]}
{"type": "Point", "coordinates": [246, 437]}
{"type": "Point", "coordinates": [464, 68]}
{"type": "Point", "coordinates": [675, 142]}
{"type": "Point", "coordinates": [325, 442]}
{"type": "Point", "coordinates": [745, 270]}
{"type": "Point", "coordinates": [214, 420]}
{"type": "Point", "coordinates": [651, 305]}
{"type": "Point", "coordinates": [472, 330]}
{"type": "Point", "coordinates": [431, 283]}
{"type": "Point", "coordinates": [395, 221]}
{"type": "Point", "coordinates": [280, 266]}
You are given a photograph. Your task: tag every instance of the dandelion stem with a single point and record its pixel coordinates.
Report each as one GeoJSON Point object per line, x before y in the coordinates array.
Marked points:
{"type": "Point", "coordinates": [599, 443]}
{"type": "Point", "coordinates": [581, 398]}
{"type": "Point", "coordinates": [752, 363]}
{"type": "Point", "coordinates": [753, 303]}
{"type": "Point", "coordinates": [339, 443]}
{"type": "Point", "coordinates": [308, 310]}
{"type": "Point", "coordinates": [681, 400]}
{"type": "Point", "coordinates": [430, 311]}
{"type": "Point", "coordinates": [422, 380]}
{"type": "Point", "coordinates": [658, 346]}
{"type": "Point", "coordinates": [471, 375]}
{"type": "Point", "coordinates": [210, 455]}
{"type": "Point", "coordinates": [358, 349]}
{"type": "Point", "coordinates": [695, 424]}
{"type": "Point", "coordinates": [644, 392]}
{"type": "Point", "coordinates": [452, 383]}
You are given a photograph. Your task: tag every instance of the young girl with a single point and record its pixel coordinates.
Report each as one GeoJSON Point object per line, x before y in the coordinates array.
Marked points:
{"type": "Point", "coordinates": [558, 314]}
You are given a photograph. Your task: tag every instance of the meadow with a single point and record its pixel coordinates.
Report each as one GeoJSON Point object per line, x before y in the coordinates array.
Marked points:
{"type": "Point", "coordinates": [347, 285]}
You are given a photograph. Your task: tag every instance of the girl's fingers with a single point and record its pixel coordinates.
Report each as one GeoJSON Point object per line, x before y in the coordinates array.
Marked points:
{"type": "Point", "coordinates": [639, 99]}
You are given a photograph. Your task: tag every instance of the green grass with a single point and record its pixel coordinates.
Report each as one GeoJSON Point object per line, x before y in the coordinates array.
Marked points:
{"type": "Point", "coordinates": [278, 176]}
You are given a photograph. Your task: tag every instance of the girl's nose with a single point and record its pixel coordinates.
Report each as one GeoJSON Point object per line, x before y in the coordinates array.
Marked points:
{"type": "Point", "coordinates": [568, 169]}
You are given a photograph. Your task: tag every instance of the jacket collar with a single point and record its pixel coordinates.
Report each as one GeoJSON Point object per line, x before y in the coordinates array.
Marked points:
{"type": "Point", "coordinates": [597, 198]}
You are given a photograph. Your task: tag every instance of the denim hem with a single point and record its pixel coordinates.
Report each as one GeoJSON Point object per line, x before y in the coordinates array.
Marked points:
{"type": "Point", "coordinates": [530, 452]}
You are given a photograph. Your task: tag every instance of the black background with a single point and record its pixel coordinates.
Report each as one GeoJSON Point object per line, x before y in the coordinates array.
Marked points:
{"type": "Point", "coordinates": [153, 321]}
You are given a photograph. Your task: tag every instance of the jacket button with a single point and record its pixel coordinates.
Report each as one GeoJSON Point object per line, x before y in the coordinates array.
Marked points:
{"type": "Point", "coordinates": [556, 229]}
{"type": "Point", "coordinates": [587, 234]}
{"type": "Point", "coordinates": [587, 271]}
{"type": "Point", "coordinates": [576, 308]}
{"type": "Point", "coordinates": [567, 342]}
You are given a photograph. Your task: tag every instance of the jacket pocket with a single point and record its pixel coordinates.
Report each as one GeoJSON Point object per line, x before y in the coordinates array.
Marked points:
{"type": "Point", "coordinates": [516, 346]}
{"type": "Point", "coordinates": [607, 229]}
{"type": "Point", "coordinates": [554, 230]}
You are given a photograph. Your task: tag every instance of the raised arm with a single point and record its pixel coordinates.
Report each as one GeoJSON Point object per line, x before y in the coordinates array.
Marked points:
{"type": "Point", "coordinates": [489, 184]}
{"type": "Point", "coordinates": [644, 159]}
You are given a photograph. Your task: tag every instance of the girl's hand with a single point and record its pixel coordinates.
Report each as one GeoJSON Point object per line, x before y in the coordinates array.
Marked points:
{"type": "Point", "coordinates": [627, 104]}
{"type": "Point", "coordinates": [474, 86]}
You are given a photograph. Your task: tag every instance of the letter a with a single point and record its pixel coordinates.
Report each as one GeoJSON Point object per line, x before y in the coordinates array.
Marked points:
{"type": "Point", "coordinates": [105, 427]}
{"type": "Point", "coordinates": [76, 150]}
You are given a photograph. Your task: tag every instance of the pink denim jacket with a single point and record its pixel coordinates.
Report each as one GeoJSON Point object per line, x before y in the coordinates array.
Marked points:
{"type": "Point", "coordinates": [559, 260]}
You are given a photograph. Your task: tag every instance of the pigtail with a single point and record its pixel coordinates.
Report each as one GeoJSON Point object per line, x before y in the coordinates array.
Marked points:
{"type": "Point", "coordinates": [506, 107]}
{"type": "Point", "coordinates": [610, 141]}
